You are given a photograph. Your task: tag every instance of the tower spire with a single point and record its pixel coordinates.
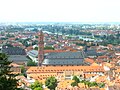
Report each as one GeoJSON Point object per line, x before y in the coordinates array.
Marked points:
{"type": "Point", "coordinates": [40, 48]}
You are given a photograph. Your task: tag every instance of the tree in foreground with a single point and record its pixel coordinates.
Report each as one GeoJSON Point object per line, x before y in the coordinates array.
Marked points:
{"type": "Point", "coordinates": [7, 80]}
{"type": "Point", "coordinates": [37, 86]}
{"type": "Point", "coordinates": [51, 83]}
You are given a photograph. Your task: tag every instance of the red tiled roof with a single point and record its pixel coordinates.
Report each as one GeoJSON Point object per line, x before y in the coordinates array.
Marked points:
{"type": "Point", "coordinates": [89, 60]}
{"type": "Point", "coordinates": [65, 68]}
{"type": "Point", "coordinates": [14, 65]}
{"type": "Point", "coordinates": [49, 51]}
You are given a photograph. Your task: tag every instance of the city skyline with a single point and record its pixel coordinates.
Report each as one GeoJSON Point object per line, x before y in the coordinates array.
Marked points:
{"type": "Point", "coordinates": [59, 11]}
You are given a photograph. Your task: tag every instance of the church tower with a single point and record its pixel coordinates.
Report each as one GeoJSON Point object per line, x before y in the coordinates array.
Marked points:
{"type": "Point", "coordinates": [40, 48]}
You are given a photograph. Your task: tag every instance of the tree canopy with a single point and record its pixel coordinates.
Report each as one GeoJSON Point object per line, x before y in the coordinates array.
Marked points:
{"type": "Point", "coordinates": [37, 86]}
{"type": "Point", "coordinates": [7, 80]}
{"type": "Point", "coordinates": [51, 83]}
{"type": "Point", "coordinates": [76, 81]}
{"type": "Point", "coordinates": [46, 48]}
{"type": "Point", "coordinates": [31, 63]}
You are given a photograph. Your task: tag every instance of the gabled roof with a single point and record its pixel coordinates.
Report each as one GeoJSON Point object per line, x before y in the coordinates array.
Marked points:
{"type": "Point", "coordinates": [91, 52]}
{"type": "Point", "coordinates": [13, 51]}
{"type": "Point", "coordinates": [50, 51]}
{"type": "Point", "coordinates": [95, 64]}
{"type": "Point", "coordinates": [65, 68]}
{"type": "Point", "coordinates": [56, 54]}
{"type": "Point", "coordinates": [62, 61]}
{"type": "Point", "coordinates": [89, 60]}
{"type": "Point", "coordinates": [65, 55]}
{"type": "Point", "coordinates": [64, 58]}
{"type": "Point", "coordinates": [14, 64]}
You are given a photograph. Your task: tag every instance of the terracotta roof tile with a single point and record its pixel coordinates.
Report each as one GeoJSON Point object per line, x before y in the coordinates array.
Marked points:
{"type": "Point", "coordinates": [65, 68]}
{"type": "Point", "coordinates": [89, 60]}
{"type": "Point", "coordinates": [49, 51]}
{"type": "Point", "coordinates": [14, 65]}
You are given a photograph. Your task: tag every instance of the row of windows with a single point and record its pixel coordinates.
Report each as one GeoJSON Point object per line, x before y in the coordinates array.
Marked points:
{"type": "Point", "coordinates": [68, 70]}
{"type": "Point", "coordinates": [45, 75]}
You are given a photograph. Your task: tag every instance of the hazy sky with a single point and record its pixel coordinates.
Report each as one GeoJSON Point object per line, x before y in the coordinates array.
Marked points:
{"type": "Point", "coordinates": [59, 10]}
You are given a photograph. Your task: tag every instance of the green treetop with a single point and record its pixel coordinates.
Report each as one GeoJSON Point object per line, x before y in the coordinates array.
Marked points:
{"type": "Point", "coordinates": [76, 81]}
{"type": "Point", "coordinates": [7, 80]}
{"type": "Point", "coordinates": [37, 86]}
{"type": "Point", "coordinates": [51, 83]}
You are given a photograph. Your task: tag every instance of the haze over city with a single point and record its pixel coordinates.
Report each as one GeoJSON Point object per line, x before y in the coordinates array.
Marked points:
{"type": "Point", "coordinates": [59, 11]}
{"type": "Point", "coordinates": [59, 45]}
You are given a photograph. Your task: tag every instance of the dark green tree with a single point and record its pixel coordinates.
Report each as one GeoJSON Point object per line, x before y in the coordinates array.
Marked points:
{"type": "Point", "coordinates": [48, 48]}
{"type": "Point", "coordinates": [7, 80]}
{"type": "Point", "coordinates": [91, 84]}
{"type": "Point", "coordinates": [51, 83]}
{"type": "Point", "coordinates": [23, 71]}
{"type": "Point", "coordinates": [20, 89]}
{"type": "Point", "coordinates": [9, 35]}
{"type": "Point", "coordinates": [37, 86]}
{"type": "Point", "coordinates": [101, 85]}
{"type": "Point", "coordinates": [36, 37]}
{"type": "Point", "coordinates": [31, 63]}
{"type": "Point", "coordinates": [76, 81]}
{"type": "Point", "coordinates": [74, 84]}
{"type": "Point", "coordinates": [36, 48]}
